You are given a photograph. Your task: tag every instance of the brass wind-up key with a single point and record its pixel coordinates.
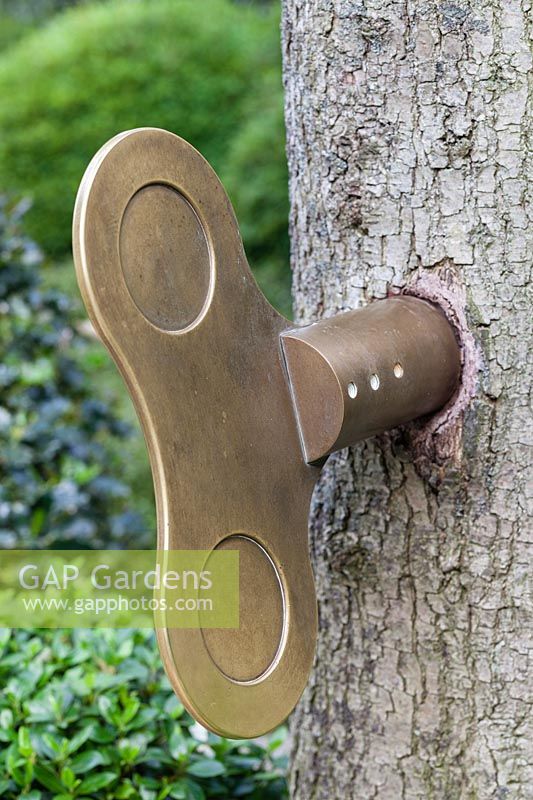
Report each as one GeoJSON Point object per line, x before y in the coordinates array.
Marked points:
{"type": "Point", "coordinates": [239, 408]}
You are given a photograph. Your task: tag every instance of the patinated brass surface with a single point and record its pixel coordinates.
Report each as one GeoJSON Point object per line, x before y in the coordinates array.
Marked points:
{"type": "Point", "coordinates": [164, 277]}
{"type": "Point", "coordinates": [366, 371]}
{"type": "Point", "coordinates": [162, 271]}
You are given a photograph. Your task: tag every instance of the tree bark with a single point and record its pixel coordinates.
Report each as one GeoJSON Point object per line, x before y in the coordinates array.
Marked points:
{"type": "Point", "coordinates": [407, 148]}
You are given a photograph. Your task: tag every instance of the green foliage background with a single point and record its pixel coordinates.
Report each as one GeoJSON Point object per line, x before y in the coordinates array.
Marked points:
{"type": "Point", "coordinates": [59, 470]}
{"type": "Point", "coordinates": [89, 714]}
{"type": "Point", "coordinates": [209, 72]}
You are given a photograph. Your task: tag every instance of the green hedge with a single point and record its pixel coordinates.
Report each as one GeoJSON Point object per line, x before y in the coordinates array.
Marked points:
{"type": "Point", "coordinates": [90, 715]}
{"type": "Point", "coordinates": [198, 69]}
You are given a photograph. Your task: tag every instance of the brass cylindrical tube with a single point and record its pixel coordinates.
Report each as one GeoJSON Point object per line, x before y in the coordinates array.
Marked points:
{"type": "Point", "coordinates": [366, 371]}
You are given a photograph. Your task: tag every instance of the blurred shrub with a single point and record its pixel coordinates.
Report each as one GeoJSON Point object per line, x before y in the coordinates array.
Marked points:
{"type": "Point", "coordinates": [34, 10]}
{"type": "Point", "coordinates": [56, 473]}
{"type": "Point", "coordinates": [11, 30]}
{"type": "Point", "coordinates": [17, 17]}
{"type": "Point", "coordinates": [256, 177]}
{"type": "Point", "coordinates": [89, 714]}
{"type": "Point", "coordinates": [200, 70]}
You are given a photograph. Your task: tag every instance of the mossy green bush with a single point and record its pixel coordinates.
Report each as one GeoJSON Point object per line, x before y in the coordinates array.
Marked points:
{"type": "Point", "coordinates": [90, 715]}
{"type": "Point", "coordinates": [198, 69]}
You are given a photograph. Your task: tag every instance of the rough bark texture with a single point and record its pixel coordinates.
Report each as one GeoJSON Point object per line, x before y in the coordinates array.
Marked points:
{"type": "Point", "coordinates": [408, 153]}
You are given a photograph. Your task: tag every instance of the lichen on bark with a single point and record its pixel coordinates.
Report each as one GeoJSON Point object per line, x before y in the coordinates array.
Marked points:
{"type": "Point", "coordinates": [408, 149]}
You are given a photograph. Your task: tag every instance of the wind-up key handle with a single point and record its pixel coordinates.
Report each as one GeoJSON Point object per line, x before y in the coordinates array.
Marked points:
{"type": "Point", "coordinates": [239, 408]}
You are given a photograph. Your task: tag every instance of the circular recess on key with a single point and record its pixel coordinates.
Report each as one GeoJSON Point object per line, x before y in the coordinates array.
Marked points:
{"type": "Point", "coordinates": [165, 257]}
{"type": "Point", "coordinates": [249, 653]}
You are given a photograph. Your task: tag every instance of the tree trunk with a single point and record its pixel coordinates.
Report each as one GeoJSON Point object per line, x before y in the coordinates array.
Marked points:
{"type": "Point", "coordinates": [407, 154]}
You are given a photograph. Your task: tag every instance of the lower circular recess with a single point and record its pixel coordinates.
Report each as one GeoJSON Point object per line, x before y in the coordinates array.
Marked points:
{"type": "Point", "coordinates": [247, 653]}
